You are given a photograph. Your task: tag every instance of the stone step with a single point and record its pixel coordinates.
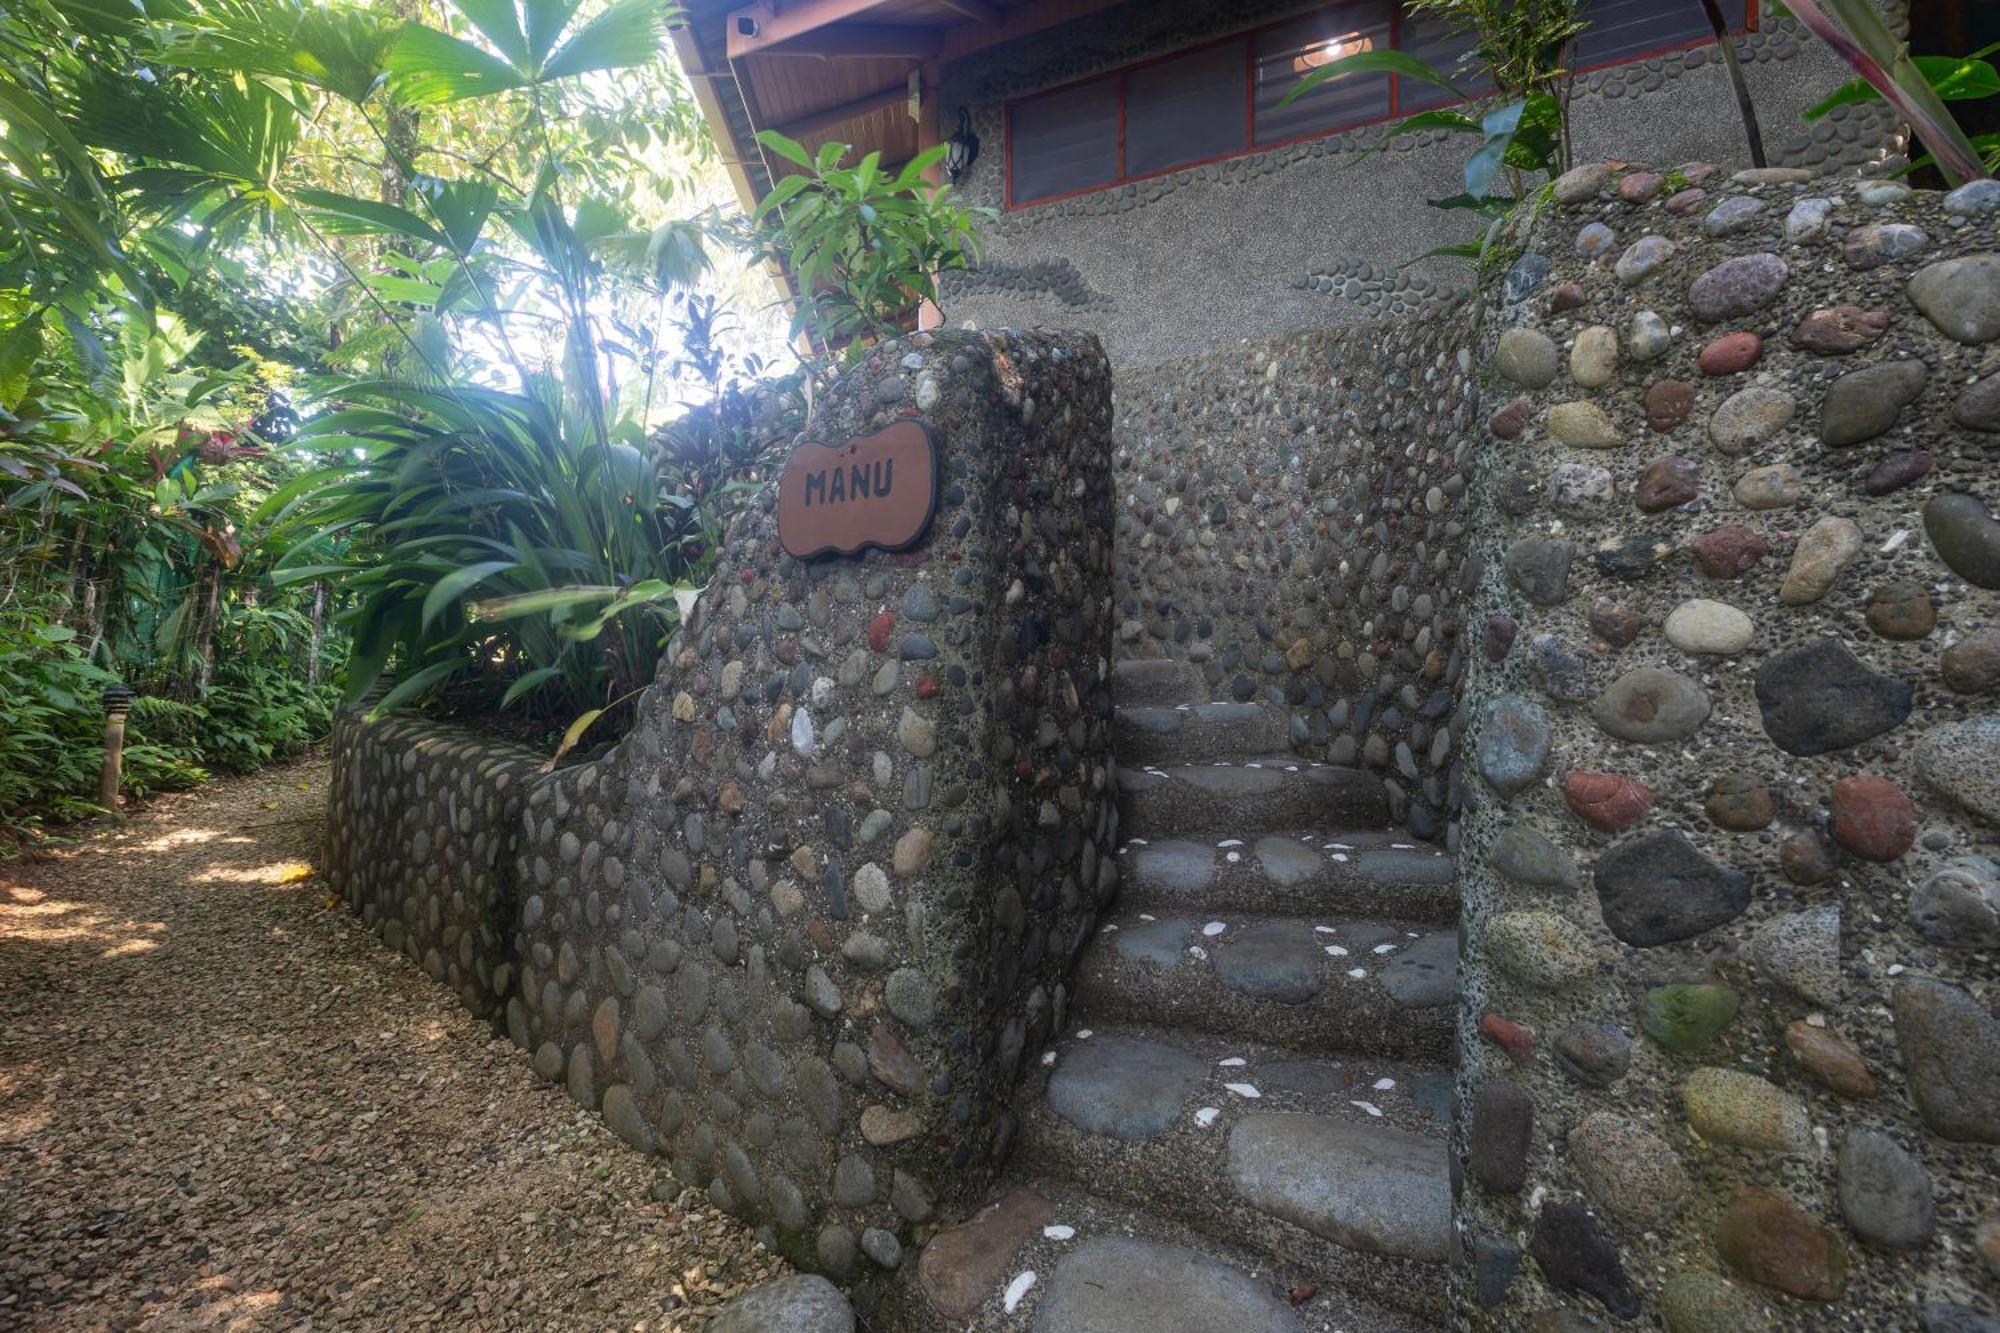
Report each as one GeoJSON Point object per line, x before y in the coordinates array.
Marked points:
{"type": "Point", "coordinates": [1259, 794]}
{"type": "Point", "coordinates": [1370, 874]}
{"type": "Point", "coordinates": [1279, 1154]}
{"type": "Point", "coordinates": [1156, 680]}
{"type": "Point", "coordinates": [1076, 1262]}
{"type": "Point", "coordinates": [1159, 733]}
{"type": "Point", "coordinates": [1321, 984]}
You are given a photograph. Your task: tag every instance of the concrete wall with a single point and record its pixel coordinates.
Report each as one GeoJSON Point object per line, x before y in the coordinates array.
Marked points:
{"type": "Point", "coordinates": [1318, 233]}
{"type": "Point", "coordinates": [1728, 1054]}
{"type": "Point", "coordinates": [796, 930]}
{"type": "Point", "coordinates": [1289, 523]}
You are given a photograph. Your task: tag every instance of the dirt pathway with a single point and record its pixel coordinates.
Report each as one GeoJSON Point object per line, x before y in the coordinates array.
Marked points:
{"type": "Point", "coordinates": [224, 1105]}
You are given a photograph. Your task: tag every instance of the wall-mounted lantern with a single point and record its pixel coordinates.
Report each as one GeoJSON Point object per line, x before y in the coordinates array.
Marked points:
{"type": "Point", "coordinates": [961, 150]}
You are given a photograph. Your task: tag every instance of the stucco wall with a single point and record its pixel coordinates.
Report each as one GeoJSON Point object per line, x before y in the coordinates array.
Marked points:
{"type": "Point", "coordinates": [1728, 1053]}
{"type": "Point", "coordinates": [796, 930]}
{"type": "Point", "coordinates": [1318, 233]}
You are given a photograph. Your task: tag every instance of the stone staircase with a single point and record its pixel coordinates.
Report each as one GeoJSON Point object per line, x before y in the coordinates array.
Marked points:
{"type": "Point", "coordinates": [1244, 1130]}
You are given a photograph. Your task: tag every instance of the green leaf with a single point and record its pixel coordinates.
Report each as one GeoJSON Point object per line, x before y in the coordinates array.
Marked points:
{"type": "Point", "coordinates": [539, 676]}
{"type": "Point", "coordinates": [343, 214]}
{"type": "Point", "coordinates": [499, 23]}
{"type": "Point", "coordinates": [628, 33]}
{"type": "Point", "coordinates": [1372, 62]}
{"type": "Point", "coordinates": [409, 689]}
{"type": "Point", "coordinates": [1445, 119]}
{"type": "Point", "coordinates": [428, 67]}
{"type": "Point", "coordinates": [20, 348]}
{"type": "Point", "coordinates": [789, 149]}
{"type": "Point", "coordinates": [1499, 126]}
{"type": "Point", "coordinates": [455, 584]}
{"type": "Point", "coordinates": [1953, 79]}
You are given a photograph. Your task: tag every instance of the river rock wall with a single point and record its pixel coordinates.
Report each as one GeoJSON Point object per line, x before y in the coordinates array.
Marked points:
{"type": "Point", "coordinates": [422, 836]}
{"type": "Point", "coordinates": [1728, 1056]}
{"type": "Point", "coordinates": [796, 932]}
{"type": "Point", "coordinates": [1291, 525]}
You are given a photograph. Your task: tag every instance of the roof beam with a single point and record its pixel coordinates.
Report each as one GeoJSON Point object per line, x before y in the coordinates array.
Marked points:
{"type": "Point", "coordinates": [762, 27]}
{"type": "Point", "coordinates": [812, 122]}
{"type": "Point", "coordinates": [862, 41]}
{"type": "Point", "coordinates": [979, 11]}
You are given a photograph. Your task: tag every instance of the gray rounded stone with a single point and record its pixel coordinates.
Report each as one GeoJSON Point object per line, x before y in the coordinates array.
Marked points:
{"type": "Point", "coordinates": [1528, 357]}
{"type": "Point", "coordinates": [1515, 740]}
{"type": "Point", "coordinates": [1125, 1087]}
{"type": "Point", "coordinates": [1865, 403]}
{"type": "Point", "coordinates": [1651, 705]}
{"type": "Point", "coordinates": [1960, 761]}
{"type": "Point", "coordinates": [1738, 287]}
{"type": "Point", "coordinates": [1631, 1172]}
{"type": "Point", "coordinates": [1885, 1194]}
{"type": "Point", "coordinates": [1120, 1284]}
{"type": "Point", "coordinates": [1958, 906]}
{"type": "Point", "coordinates": [803, 1303]}
{"type": "Point", "coordinates": [1657, 889]}
{"type": "Point", "coordinates": [1951, 1056]}
{"type": "Point", "coordinates": [1273, 961]}
{"type": "Point", "coordinates": [1961, 297]}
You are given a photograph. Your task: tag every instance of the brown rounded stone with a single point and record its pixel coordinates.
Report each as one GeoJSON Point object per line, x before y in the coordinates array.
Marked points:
{"type": "Point", "coordinates": [1872, 818]}
{"type": "Point", "coordinates": [1838, 330]}
{"type": "Point", "coordinates": [1508, 422]}
{"type": "Point", "coordinates": [1830, 1061]}
{"type": "Point", "coordinates": [1614, 622]}
{"type": "Point", "coordinates": [1731, 354]}
{"type": "Point", "coordinates": [1987, 1241]}
{"type": "Point", "coordinates": [1972, 665]}
{"type": "Point", "coordinates": [1641, 186]}
{"type": "Point", "coordinates": [1901, 610]}
{"type": "Point", "coordinates": [1805, 859]}
{"type": "Point", "coordinates": [1769, 1239]}
{"type": "Point", "coordinates": [913, 852]}
{"type": "Point", "coordinates": [1608, 802]}
{"type": "Point", "coordinates": [1740, 803]}
{"type": "Point", "coordinates": [1567, 296]}
{"type": "Point", "coordinates": [1668, 403]}
{"type": "Point", "coordinates": [964, 1265]}
{"type": "Point", "coordinates": [1687, 201]}
{"type": "Point", "coordinates": [1903, 468]}
{"type": "Point", "coordinates": [1728, 552]}
{"type": "Point", "coordinates": [1666, 483]}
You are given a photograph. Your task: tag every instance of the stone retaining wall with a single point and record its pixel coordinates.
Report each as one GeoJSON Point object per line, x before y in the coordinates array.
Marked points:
{"type": "Point", "coordinates": [1728, 1052]}
{"type": "Point", "coordinates": [1290, 525]}
{"type": "Point", "coordinates": [797, 931]}
{"type": "Point", "coordinates": [422, 833]}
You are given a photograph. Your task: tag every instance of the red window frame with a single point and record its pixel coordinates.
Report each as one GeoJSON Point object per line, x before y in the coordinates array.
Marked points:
{"type": "Point", "coordinates": [1248, 36]}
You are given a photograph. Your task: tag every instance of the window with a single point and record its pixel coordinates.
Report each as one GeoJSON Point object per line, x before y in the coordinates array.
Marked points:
{"type": "Point", "coordinates": [1223, 98]}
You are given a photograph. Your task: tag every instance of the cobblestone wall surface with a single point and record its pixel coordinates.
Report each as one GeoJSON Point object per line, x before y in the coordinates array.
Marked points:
{"type": "Point", "coordinates": [423, 826]}
{"type": "Point", "coordinates": [1290, 522]}
{"type": "Point", "coordinates": [1728, 1052]}
{"type": "Point", "coordinates": [797, 930]}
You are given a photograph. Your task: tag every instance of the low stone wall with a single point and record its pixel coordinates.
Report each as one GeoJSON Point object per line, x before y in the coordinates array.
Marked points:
{"type": "Point", "coordinates": [797, 930]}
{"type": "Point", "coordinates": [422, 833]}
{"type": "Point", "coordinates": [1728, 1052]}
{"type": "Point", "coordinates": [1290, 525]}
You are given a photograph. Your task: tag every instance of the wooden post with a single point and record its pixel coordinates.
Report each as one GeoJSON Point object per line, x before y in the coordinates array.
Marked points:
{"type": "Point", "coordinates": [117, 703]}
{"type": "Point", "coordinates": [929, 116]}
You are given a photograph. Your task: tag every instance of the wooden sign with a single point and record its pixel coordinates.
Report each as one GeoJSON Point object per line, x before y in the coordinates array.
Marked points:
{"type": "Point", "coordinates": [878, 490]}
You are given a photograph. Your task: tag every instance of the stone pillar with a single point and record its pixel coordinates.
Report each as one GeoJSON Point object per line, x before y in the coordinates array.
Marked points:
{"type": "Point", "coordinates": [797, 930]}
{"type": "Point", "coordinates": [1729, 1055]}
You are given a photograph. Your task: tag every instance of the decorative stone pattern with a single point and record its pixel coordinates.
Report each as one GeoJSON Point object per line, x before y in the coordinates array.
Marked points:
{"type": "Point", "coordinates": [1058, 278]}
{"type": "Point", "coordinates": [422, 833]}
{"type": "Point", "coordinates": [1289, 525]}
{"type": "Point", "coordinates": [796, 931]}
{"type": "Point", "coordinates": [1383, 290]}
{"type": "Point", "coordinates": [1767, 805]}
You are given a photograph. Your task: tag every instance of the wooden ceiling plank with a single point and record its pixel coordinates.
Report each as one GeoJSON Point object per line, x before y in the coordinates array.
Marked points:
{"type": "Point", "coordinates": [813, 122]}
{"type": "Point", "coordinates": [763, 26]}
{"type": "Point", "coordinates": [863, 41]}
{"type": "Point", "coordinates": [979, 11]}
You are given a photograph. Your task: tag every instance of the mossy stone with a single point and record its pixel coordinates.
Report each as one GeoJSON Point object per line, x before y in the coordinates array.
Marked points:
{"type": "Point", "coordinates": [1684, 1018]}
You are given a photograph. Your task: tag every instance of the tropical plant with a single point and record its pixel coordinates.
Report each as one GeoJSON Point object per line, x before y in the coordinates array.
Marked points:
{"type": "Point", "coordinates": [863, 244]}
{"type": "Point", "coordinates": [1522, 126]}
{"type": "Point", "coordinates": [1918, 87]}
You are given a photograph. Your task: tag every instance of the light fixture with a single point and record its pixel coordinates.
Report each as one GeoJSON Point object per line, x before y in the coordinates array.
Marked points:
{"type": "Point", "coordinates": [961, 149]}
{"type": "Point", "coordinates": [1332, 49]}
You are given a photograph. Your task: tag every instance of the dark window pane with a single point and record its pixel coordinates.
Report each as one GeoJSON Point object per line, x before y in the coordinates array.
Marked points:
{"type": "Point", "coordinates": [1623, 29]}
{"type": "Point", "coordinates": [1429, 39]}
{"type": "Point", "coordinates": [1185, 109]}
{"type": "Point", "coordinates": [1064, 141]}
{"type": "Point", "coordinates": [1286, 54]}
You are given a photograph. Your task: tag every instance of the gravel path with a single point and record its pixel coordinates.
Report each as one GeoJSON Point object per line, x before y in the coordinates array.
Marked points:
{"type": "Point", "coordinates": [224, 1105]}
